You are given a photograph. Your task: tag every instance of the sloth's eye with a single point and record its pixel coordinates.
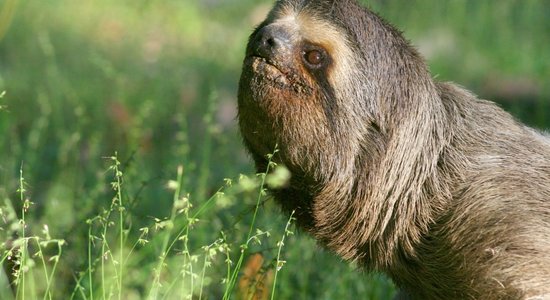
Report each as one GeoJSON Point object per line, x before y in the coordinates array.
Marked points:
{"type": "Point", "coordinates": [315, 57]}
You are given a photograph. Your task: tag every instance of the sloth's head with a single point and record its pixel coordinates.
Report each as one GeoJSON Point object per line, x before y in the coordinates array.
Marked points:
{"type": "Point", "coordinates": [341, 92]}
{"type": "Point", "coordinates": [317, 79]}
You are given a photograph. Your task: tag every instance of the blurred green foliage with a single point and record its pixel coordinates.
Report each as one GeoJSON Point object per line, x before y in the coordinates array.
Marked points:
{"type": "Point", "coordinates": [156, 81]}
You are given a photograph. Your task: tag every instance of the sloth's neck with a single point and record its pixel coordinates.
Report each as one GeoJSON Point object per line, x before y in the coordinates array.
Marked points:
{"type": "Point", "coordinates": [385, 207]}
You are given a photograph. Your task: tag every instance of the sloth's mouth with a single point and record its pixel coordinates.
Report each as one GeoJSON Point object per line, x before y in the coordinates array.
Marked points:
{"type": "Point", "coordinates": [268, 70]}
{"type": "Point", "coordinates": [278, 76]}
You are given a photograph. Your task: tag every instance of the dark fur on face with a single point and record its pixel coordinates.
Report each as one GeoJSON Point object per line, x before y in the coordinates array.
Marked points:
{"type": "Point", "coordinates": [446, 193]}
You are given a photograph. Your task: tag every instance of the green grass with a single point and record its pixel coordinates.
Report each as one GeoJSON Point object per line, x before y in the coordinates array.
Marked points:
{"type": "Point", "coordinates": [121, 166]}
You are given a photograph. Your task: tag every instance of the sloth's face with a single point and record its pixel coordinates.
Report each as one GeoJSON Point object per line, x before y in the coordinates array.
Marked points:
{"type": "Point", "coordinates": [291, 90]}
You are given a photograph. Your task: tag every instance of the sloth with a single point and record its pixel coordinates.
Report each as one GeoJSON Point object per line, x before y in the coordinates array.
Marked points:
{"type": "Point", "coordinates": [445, 193]}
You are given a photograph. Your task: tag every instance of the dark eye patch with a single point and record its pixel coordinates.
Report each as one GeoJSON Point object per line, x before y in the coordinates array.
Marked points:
{"type": "Point", "coordinates": [317, 61]}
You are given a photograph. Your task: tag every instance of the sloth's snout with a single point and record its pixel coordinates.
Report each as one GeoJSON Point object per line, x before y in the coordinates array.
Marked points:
{"type": "Point", "coordinates": [270, 41]}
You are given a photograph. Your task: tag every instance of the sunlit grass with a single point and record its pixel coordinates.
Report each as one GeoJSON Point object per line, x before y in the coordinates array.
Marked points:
{"type": "Point", "coordinates": [107, 232]}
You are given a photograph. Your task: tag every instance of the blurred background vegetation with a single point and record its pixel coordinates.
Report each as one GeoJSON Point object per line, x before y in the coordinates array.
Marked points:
{"type": "Point", "coordinates": [156, 82]}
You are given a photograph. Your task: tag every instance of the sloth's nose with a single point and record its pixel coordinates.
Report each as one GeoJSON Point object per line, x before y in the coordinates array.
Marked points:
{"type": "Point", "coordinates": [270, 41]}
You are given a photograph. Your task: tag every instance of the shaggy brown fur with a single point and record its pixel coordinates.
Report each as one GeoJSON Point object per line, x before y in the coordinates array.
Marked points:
{"type": "Point", "coordinates": [446, 193]}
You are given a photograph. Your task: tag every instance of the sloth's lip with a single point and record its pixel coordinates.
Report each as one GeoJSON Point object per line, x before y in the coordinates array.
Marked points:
{"type": "Point", "coordinates": [278, 76]}
{"type": "Point", "coordinates": [266, 61]}
{"type": "Point", "coordinates": [268, 69]}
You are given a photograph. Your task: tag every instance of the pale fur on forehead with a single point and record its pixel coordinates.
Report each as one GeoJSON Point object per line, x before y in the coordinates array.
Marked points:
{"type": "Point", "coordinates": [307, 25]}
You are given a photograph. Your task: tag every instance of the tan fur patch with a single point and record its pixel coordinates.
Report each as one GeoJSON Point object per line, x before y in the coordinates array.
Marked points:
{"type": "Point", "coordinates": [308, 27]}
{"type": "Point", "coordinates": [320, 32]}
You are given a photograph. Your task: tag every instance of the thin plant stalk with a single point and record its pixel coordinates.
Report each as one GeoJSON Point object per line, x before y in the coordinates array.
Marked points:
{"type": "Point", "coordinates": [78, 287]}
{"type": "Point", "coordinates": [153, 293]}
{"type": "Point", "coordinates": [208, 254]}
{"type": "Point", "coordinates": [244, 247]}
{"type": "Point", "coordinates": [41, 255]}
{"type": "Point", "coordinates": [90, 266]}
{"type": "Point", "coordinates": [21, 271]}
{"type": "Point", "coordinates": [203, 274]}
{"type": "Point", "coordinates": [118, 187]}
{"type": "Point", "coordinates": [279, 263]}
{"type": "Point", "coordinates": [55, 258]}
